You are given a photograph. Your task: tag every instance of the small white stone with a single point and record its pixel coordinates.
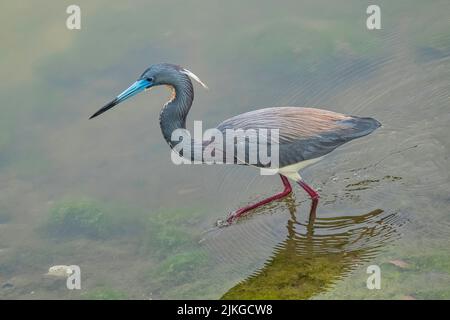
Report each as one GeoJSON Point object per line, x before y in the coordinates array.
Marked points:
{"type": "Point", "coordinates": [61, 271]}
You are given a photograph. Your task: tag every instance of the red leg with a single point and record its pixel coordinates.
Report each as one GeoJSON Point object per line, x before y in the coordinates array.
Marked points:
{"type": "Point", "coordinates": [287, 190]}
{"type": "Point", "coordinates": [314, 198]}
{"type": "Point", "coordinates": [312, 193]}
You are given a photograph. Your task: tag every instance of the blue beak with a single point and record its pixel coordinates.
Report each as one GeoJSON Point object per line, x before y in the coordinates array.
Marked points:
{"type": "Point", "coordinates": [133, 90]}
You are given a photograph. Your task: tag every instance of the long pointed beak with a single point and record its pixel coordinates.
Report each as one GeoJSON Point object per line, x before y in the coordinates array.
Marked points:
{"type": "Point", "coordinates": [133, 90]}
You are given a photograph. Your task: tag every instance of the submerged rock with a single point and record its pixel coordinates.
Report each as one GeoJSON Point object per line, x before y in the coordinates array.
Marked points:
{"type": "Point", "coordinates": [399, 263]}
{"type": "Point", "coordinates": [7, 285]}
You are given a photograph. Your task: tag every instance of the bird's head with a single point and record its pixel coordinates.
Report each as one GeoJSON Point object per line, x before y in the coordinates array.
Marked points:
{"type": "Point", "coordinates": [155, 75]}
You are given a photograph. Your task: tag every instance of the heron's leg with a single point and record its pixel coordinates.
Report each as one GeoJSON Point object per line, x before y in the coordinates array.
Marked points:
{"type": "Point", "coordinates": [287, 190]}
{"type": "Point", "coordinates": [314, 198]}
{"type": "Point", "coordinates": [312, 193]}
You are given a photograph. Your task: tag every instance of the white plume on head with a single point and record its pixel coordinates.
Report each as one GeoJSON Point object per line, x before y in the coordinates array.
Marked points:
{"type": "Point", "coordinates": [193, 76]}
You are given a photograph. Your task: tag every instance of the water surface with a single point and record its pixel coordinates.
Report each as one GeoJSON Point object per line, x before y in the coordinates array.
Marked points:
{"type": "Point", "coordinates": [104, 195]}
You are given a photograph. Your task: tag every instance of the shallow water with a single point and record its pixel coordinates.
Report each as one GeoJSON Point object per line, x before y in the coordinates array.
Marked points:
{"type": "Point", "coordinates": [104, 194]}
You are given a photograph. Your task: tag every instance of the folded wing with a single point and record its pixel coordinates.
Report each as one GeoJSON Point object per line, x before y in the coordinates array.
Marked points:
{"type": "Point", "coordinates": [304, 133]}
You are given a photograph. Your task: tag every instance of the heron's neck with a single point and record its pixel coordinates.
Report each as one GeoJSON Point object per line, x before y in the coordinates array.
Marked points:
{"type": "Point", "coordinates": [174, 113]}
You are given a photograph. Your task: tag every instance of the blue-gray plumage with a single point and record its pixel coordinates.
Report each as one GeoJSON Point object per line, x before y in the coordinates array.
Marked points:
{"type": "Point", "coordinates": [305, 134]}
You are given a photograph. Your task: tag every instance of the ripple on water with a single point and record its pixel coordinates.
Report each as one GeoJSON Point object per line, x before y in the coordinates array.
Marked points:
{"type": "Point", "coordinates": [303, 257]}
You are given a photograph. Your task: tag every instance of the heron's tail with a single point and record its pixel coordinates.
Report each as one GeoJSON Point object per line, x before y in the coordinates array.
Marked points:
{"type": "Point", "coordinates": [360, 127]}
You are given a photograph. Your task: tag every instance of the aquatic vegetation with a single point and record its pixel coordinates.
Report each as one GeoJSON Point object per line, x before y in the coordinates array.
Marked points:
{"type": "Point", "coordinates": [18, 260]}
{"type": "Point", "coordinates": [179, 268]}
{"type": "Point", "coordinates": [162, 237]}
{"type": "Point", "coordinates": [168, 230]}
{"type": "Point", "coordinates": [183, 275]}
{"type": "Point", "coordinates": [78, 217]}
{"type": "Point", "coordinates": [86, 217]}
{"type": "Point", "coordinates": [432, 261]}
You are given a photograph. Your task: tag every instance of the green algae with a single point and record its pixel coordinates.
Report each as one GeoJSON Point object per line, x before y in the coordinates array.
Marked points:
{"type": "Point", "coordinates": [92, 218]}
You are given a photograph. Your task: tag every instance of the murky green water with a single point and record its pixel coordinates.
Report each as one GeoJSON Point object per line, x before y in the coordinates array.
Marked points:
{"type": "Point", "coordinates": [104, 194]}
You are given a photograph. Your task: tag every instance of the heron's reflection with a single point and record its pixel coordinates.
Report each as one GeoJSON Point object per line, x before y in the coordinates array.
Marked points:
{"type": "Point", "coordinates": [316, 254]}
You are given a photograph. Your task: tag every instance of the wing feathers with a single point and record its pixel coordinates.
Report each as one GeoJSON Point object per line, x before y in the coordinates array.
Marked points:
{"type": "Point", "coordinates": [305, 133]}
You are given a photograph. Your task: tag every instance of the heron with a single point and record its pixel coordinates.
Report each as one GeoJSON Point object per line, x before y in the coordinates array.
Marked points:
{"type": "Point", "coordinates": [306, 135]}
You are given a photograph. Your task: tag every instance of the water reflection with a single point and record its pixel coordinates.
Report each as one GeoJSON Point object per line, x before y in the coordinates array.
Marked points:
{"type": "Point", "coordinates": [296, 54]}
{"type": "Point", "coordinates": [316, 254]}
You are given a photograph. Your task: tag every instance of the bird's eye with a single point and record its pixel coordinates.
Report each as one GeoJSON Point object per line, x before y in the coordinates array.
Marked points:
{"type": "Point", "coordinates": [150, 79]}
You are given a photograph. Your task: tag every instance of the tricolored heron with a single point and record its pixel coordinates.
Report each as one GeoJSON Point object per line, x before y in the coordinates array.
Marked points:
{"type": "Point", "coordinates": [305, 134]}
